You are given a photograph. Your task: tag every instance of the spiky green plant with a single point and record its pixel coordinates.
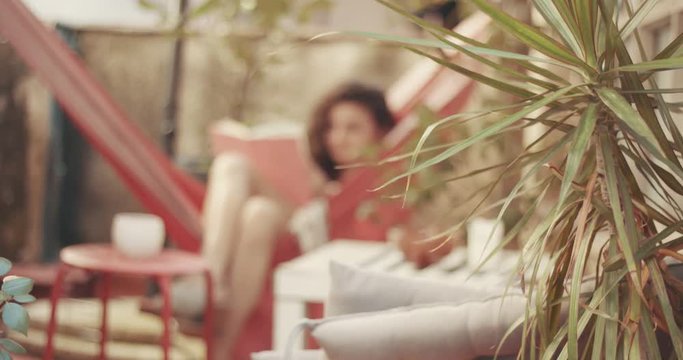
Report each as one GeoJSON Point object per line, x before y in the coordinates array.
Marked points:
{"type": "Point", "coordinates": [615, 134]}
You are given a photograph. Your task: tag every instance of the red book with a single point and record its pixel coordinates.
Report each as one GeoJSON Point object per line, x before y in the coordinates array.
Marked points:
{"type": "Point", "coordinates": [274, 150]}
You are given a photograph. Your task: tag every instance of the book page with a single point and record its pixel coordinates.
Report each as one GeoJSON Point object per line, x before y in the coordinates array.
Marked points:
{"type": "Point", "coordinates": [275, 154]}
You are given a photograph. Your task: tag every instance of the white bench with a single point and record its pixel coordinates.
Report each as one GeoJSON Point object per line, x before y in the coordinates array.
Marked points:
{"type": "Point", "coordinates": [306, 278]}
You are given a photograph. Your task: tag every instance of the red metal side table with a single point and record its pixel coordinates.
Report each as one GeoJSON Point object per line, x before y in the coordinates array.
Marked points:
{"type": "Point", "coordinates": [104, 260]}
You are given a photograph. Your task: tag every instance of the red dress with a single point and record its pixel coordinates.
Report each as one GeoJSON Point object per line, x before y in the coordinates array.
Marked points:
{"type": "Point", "coordinates": [370, 220]}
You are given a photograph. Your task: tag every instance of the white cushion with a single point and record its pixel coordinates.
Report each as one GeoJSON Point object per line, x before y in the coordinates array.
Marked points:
{"type": "Point", "coordinates": [435, 332]}
{"type": "Point", "coordinates": [297, 355]}
{"type": "Point", "coordinates": [355, 290]}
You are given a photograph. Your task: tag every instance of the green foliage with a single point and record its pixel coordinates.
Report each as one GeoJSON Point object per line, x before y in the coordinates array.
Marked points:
{"type": "Point", "coordinates": [16, 317]}
{"type": "Point", "coordinates": [608, 144]}
{"type": "Point", "coordinates": [5, 266]}
{"type": "Point", "coordinates": [14, 292]}
{"type": "Point", "coordinates": [17, 286]}
{"type": "Point", "coordinates": [12, 346]}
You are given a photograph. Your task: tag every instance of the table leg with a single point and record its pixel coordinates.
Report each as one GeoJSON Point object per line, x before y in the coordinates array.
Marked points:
{"type": "Point", "coordinates": [286, 314]}
{"type": "Point", "coordinates": [105, 284]}
{"type": "Point", "coordinates": [54, 299]}
{"type": "Point", "coordinates": [165, 287]}
{"type": "Point", "coordinates": [208, 316]}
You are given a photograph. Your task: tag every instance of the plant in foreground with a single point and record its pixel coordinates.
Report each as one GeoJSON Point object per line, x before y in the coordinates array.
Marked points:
{"type": "Point", "coordinates": [607, 159]}
{"type": "Point", "coordinates": [13, 293]}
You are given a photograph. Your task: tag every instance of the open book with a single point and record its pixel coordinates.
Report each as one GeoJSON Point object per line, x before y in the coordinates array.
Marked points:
{"type": "Point", "coordinates": [274, 151]}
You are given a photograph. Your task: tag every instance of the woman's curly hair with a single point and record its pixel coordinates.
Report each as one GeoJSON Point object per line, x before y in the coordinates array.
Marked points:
{"type": "Point", "coordinates": [370, 98]}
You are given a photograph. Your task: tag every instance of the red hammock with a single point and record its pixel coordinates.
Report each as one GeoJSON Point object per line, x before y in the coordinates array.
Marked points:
{"type": "Point", "coordinates": [160, 186]}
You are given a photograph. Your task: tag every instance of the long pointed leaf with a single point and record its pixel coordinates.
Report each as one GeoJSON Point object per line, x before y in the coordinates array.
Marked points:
{"type": "Point", "coordinates": [444, 35]}
{"type": "Point", "coordinates": [495, 83]}
{"type": "Point", "coordinates": [532, 171]}
{"type": "Point", "coordinates": [445, 44]}
{"type": "Point", "coordinates": [577, 275]}
{"type": "Point", "coordinates": [663, 297]}
{"type": "Point", "coordinates": [637, 18]}
{"type": "Point", "coordinates": [672, 48]}
{"type": "Point", "coordinates": [532, 37]}
{"type": "Point", "coordinates": [648, 330]}
{"type": "Point", "coordinates": [598, 341]}
{"type": "Point", "coordinates": [441, 33]}
{"type": "Point", "coordinates": [624, 238]}
{"type": "Point", "coordinates": [611, 306]}
{"type": "Point", "coordinates": [626, 113]}
{"type": "Point", "coordinates": [654, 91]}
{"type": "Point", "coordinates": [583, 136]}
{"type": "Point", "coordinates": [654, 65]}
{"type": "Point", "coordinates": [486, 133]}
{"type": "Point", "coordinates": [635, 290]}
{"type": "Point", "coordinates": [586, 16]}
{"type": "Point", "coordinates": [643, 105]}
{"type": "Point", "coordinates": [647, 248]}
{"type": "Point", "coordinates": [476, 52]}
{"type": "Point", "coordinates": [644, 166]}
{"type": "Point", "coordinates": [561, 24]}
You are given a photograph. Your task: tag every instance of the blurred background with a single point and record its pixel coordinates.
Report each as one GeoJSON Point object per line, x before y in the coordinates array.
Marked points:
{"type": "Point", "coordinates": [175, 67]}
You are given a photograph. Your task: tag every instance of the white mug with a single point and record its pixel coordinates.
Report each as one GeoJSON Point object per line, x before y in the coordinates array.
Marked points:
{"type": "Point", "coordinates": [137, 235]}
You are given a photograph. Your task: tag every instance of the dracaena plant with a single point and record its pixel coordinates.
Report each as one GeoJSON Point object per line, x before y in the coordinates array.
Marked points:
{"type": "Point", "coordinates": [609, 133]}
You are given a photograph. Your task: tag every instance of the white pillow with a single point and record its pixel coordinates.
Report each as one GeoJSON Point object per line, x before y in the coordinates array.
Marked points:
{"type": "Point", "coordinates": [435, 332]}
{"type": "Point", "coordinates": [309, 223]}
{"type": "Point", "coordinates": [297, 355]}
{"type": "Point", "coordinates": [355, 290]}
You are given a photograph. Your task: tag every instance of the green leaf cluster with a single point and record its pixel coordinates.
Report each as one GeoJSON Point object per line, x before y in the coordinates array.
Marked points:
{"type": "Point", "coordinates": [15, 291]}
{"type": "Point", "coordinates": [607, 158]}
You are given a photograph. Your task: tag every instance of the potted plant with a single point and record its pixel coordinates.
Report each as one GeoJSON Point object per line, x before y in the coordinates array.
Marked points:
{"type": "Point", "coordinates": [607, 158]}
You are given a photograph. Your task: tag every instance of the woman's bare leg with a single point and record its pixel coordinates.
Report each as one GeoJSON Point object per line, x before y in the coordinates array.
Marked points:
{"type": "Point", "coordinates": [262, 221]}
{"type": "Point", "coordinates": [229, 187]}
{"type": "Point", "coordinates": [227, 191]}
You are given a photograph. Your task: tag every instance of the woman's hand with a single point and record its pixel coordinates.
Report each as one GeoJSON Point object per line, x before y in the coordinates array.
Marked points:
{"type": "Point", "coordinates": [423, 253]}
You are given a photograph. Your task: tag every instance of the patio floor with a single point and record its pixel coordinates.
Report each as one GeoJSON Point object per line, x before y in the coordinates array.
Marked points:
{"type": "Point", "coordinates": [133, 335]}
